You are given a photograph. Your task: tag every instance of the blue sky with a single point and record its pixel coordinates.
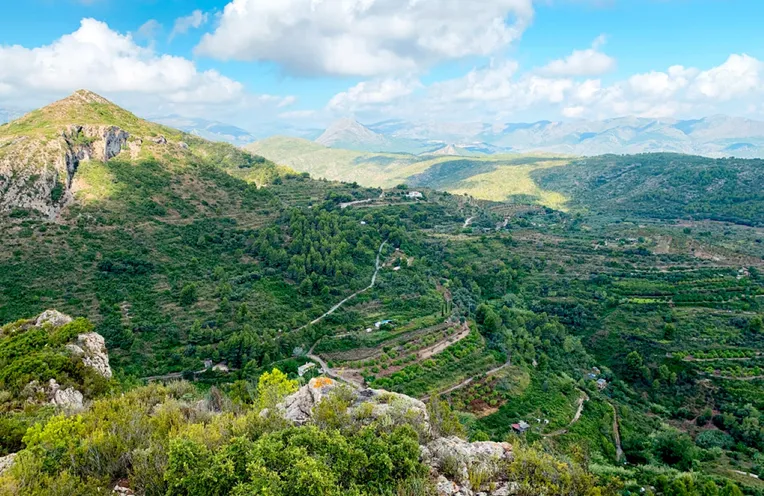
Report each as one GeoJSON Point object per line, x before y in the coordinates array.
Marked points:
{"type": "Point", "coordinates": [306, 62]}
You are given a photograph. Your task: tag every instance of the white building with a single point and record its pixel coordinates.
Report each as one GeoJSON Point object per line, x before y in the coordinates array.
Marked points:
{"type": "Point", "coordinates": [302, 369]}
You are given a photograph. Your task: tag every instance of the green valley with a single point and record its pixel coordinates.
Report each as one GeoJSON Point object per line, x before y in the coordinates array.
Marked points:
{"type": "Point", "coordinates": [595, 325]}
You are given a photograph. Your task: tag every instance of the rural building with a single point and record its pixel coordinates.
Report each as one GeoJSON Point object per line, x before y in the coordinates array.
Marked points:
{"type": "Point", "coordinates": [521, 427]}
{"type": "Point", "coordinates": [302, 369]}
{"type": "Point", "coordinates": [414, 194]}
{"type": "Point", "coordinates": [601, 384]}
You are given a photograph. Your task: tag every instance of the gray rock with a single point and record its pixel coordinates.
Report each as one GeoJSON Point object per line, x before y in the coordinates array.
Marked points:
{"type": "Point", "coordinates": [114, 140]}
{"type": "Point", "coordinates": [298, 407]}
{"type": "Point", "coordinates": [6, 462]}
{"type": "Point", "coordinates": [460, 456]}
{"type": "Point", "coordinates": [371, 403]}
{"type": "Point", "coordinates": [446, 487]}
{"type": "Point", "coordinates": [92, 348]}
{"type": "Point", "coordinates": [52, 317]}
{"type": "Point", "coordinates": [160, 140]}
{"type": "Point", "coordinates": [122, 490]}
{"type": "Point", "coordinates": [68, 399]}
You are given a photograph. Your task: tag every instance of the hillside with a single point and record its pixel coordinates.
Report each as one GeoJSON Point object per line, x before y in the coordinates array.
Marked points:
{"type": "Point", "coordinates": [663, 185]}
{"type": "Point", "coordinates": [648, 185]}
{"type": "Point", "coordinates": [41, 153]}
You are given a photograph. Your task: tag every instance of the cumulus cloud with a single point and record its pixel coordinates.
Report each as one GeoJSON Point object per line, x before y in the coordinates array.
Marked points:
{"type": "Point", "coordinates": [372, 93]}
{"type": "Point", "coordinates": [363, 37]}
{"type": "Point", "coordinates": [100, 59]}
{"type": "Point", "coordinates": [738, 76]}
{"type": "Point", "coordinates": [497, 85]}
{"type": "Point", "coordinates": [195, 20]}
{"type": "Point", "coordinates": [589, 62]}
{"type": "Point", "coordinates": [502, 90]}
{"type": "Point", "coordinates": [97, 58]}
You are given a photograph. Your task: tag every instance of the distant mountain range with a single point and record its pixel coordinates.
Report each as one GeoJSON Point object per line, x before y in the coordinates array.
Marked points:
{"type": "Point", "coordinates": [716, 136]}
{"type": "Point", "coordinates": [209, 130]}
{"type": "Point", "coordinates": [7, 115]}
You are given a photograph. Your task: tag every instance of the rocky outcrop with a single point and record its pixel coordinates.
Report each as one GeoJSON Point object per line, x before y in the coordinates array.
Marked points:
{"type": "Point", "coordinates": [455, 463]}
{"type": "Point", "coordinates": [371, 403]}
{"type": "Point", "coordinates": [69, 399]}
{"type": "Point", "coordinates": [92, 348]}
{"type": "Point", "coordinates": [458, 458]}
{"type": "Point", "coordinates": [6, 462]}
{"type": "Point", "coordinates": [37, 173]}
{"type": "Point", "coordinates": [52, 317]}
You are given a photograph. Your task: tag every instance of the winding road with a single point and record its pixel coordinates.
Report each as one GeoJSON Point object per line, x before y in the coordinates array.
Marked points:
{"type": "Point", "coordinates": [466, 382]}
{"type": "Point", "coordinates": [581, 400]}
{"type": "Point", "coordinates": [338, 305]}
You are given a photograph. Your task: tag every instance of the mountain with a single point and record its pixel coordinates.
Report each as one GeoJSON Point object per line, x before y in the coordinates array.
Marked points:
{"type": "Point", "coordinates": [367, 168]}
{"type": "Point", "coordinates": [714, 136]}
{"type": "Point", "coordinates": [350, 134]}
{"type": "Point", "coordinates": [210, 130]}
{"type": "Point", "coordinates": [657, 184]}
{"type": "Point", "coordinates": [55, 154]}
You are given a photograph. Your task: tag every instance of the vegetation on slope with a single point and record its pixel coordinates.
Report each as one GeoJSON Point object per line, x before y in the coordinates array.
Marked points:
{"type": "Point", "coordinates": [664, 186]}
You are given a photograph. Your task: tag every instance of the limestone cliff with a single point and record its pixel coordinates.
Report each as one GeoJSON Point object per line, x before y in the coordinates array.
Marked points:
{"type": "Point", "coordinates": [41, 152]}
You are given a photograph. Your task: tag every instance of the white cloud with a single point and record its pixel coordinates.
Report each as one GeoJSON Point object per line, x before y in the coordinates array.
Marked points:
{"type": "Point", "coordinates": [99, 59]}
{"type": "Point", "coordinates": [739, 75]}
{"type": "Point", "coordinates": [589, 62]}
{"type": "Point", "coordinates": [497, 85]}
{"type": "Point", "coordinates": [364, 37]}
{"type": "Point", "coordinates": [370, 93]}
{"type": "Point", "coordinates": [195, 20]}
{"type": "Point", "coordinates": [679, 90]}
{"type": "Point", "coordinates": [502, 90]}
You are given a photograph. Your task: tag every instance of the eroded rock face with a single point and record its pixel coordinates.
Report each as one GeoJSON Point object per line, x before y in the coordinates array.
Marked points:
{"type": "Point", "coordinates": [92, 348]}
{"type": "Point", "coordinates": [68, 399]}
{"type": "Point", "coordinates": [38, 174]}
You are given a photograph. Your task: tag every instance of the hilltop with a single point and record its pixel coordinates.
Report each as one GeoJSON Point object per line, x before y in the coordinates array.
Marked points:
{"type": "Point", "coordinates": [42, 152]}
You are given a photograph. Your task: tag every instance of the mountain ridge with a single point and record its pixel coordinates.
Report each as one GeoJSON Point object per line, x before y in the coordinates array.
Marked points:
{"type": "Point", "coordinates": [713, 136]}
{"type": "Point", "coordinates": [42, 151]}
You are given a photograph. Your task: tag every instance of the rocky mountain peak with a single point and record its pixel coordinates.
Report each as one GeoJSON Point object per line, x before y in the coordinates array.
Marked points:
{"type": "Point", "coordinates": [348, 131]}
